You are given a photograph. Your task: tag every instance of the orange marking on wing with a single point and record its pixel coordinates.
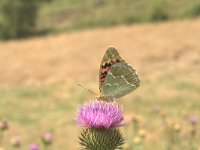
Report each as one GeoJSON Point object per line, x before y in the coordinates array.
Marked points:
{"type": "Point", "coordinates": [105, 69]}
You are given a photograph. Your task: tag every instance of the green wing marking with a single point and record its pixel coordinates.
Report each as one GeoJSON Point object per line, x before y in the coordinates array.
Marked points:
{"type": "Point", "coordinates": [120, 80]}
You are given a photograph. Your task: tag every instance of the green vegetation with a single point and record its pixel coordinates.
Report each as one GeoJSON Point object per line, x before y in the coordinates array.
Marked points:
{"type": "Point", "coordinates": [193, 12]}
{"type": "Point", "coordinates": [67, 15]}
{"type": "Point", "coordinates": [158, 13]}
{"type": "Point", "coordinates": [18, 18]}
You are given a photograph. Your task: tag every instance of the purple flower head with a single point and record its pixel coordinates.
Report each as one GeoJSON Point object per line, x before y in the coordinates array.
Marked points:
{"type": "Point", "coordinates": [100, 114]}
{"type": "Point", "coordinates": [157, 109]}
{"type": "Point", "coordinates": [4, 125]}
{"type": "Point", "coordinates": [16, 141]}
{"type": "Point", "coordinates": [193, 120]}
{"type": "Point", "coordinates": [47, 138]}
{"type": "Point", "coordinates": [34, 147]}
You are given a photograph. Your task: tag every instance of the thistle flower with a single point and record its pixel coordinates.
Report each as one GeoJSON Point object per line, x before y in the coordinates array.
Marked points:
{"type": "Point", "coordinates": [34, 147]}
{"type": "Point", "coordinates": [142, 133]}
{"type": "Point", "coordinates": [4, 125]}
{"type": "Point", "coordinates": [157, 109]}
{"type": "Point", "coordinates": [15, 141]}
{"type": "Point", "coordinates": [128, 119]}
{"type": "Point", "coordinates": [100, 119]}
{"type": "Point", "coordinates": [137, 140]}
{"type": "Point", "coordinates": [100, 114]}
{"type": "Point", "coordinates": [47, 138]}
{"type": "Point", "coordinates": [193, 120]}
{"type": "Point", "coordinates": [177, 127]}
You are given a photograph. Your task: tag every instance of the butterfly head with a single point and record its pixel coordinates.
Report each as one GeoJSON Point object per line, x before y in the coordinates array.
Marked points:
{"type": "Point", "coordinates": [101, 97]}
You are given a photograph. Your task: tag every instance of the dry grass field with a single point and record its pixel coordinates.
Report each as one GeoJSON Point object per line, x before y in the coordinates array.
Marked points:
{"type": "Point", "coordinates": [39, 77]}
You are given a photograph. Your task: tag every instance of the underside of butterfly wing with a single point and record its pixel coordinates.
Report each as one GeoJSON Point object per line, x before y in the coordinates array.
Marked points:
{"type": "Point", "coordinates": [121, 79]}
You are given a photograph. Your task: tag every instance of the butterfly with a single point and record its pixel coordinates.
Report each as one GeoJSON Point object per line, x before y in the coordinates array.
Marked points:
{"type": "Point", "coordinates": [116, 77]}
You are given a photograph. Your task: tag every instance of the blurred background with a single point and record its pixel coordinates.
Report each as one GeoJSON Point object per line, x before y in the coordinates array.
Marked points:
{"type": "Point", "coordinates": [47, 47]}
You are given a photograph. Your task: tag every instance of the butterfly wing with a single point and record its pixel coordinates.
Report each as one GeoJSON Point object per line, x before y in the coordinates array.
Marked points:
{"type": "Point", "coordinates": [111, 57]}
{"type": "Point", "coordinates": [116, 77]}
{"type": "Point", "coordinates": [120, 80]}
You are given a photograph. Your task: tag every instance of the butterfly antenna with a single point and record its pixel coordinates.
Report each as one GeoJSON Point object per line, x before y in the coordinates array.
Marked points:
{"type": "Point", "coordinates": [87, 89]}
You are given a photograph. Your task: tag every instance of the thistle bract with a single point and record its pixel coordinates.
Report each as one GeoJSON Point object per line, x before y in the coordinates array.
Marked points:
{"type": "Point", "coordinates": [101, 139]}
{"type": "Point", "coordinates": [100, 114]}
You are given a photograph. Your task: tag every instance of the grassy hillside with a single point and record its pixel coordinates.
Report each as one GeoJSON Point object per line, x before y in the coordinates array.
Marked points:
{"type": "Point", "coordinates": [21, 19]}
{"type": "Point", "coordinates": [39, 78]}
{"type": "Point", "coordinates": [58, 15]}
